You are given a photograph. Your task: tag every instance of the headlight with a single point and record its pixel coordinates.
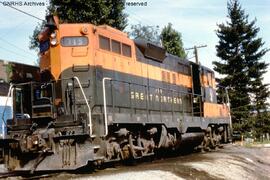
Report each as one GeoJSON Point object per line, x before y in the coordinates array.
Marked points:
{"type": "Point", "coordinates": [53, 35]}
{"type": "Point", "coordinates": [35, 142]}
{"type": "Point", "coordinates": [53, 41]}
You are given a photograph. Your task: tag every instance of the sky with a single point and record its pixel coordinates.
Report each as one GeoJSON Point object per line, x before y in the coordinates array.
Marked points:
{"type": "Point", "coordinates": [196, 20]}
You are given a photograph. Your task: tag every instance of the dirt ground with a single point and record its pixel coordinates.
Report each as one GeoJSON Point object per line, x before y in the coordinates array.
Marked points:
{"type": "Point", "coordinates": [231, 162]}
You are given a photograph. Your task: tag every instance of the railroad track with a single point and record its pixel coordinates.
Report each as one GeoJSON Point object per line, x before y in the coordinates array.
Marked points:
{"type": "Point", "coordinates": [90, 169]}
{"type": "Point", "coordinates": [24, 175]}
{"type": "Point", "coordinates": [7, 174]}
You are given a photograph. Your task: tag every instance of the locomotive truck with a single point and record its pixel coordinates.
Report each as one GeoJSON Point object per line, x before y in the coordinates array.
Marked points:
{"type": "Point", "coordinates": [103, 97]}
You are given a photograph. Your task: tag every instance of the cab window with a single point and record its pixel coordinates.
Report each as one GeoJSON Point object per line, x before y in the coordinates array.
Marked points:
{"type": "Point", "coordinates": [104, 43]}
{"type": "Point", "coordinates": [116, 47]}
{"type": "Point", "coordinates": [126, 50]}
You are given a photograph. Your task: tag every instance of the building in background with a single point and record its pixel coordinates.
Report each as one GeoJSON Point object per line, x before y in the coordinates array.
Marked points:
{"type": "Point", "coordinates": [12, 72]}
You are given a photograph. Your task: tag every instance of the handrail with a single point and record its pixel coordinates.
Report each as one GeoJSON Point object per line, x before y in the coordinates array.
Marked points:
{"type": "Point", "coordinates": [105, 104]}
{"type": "Point", "coordinates": [229, 106]}
{"type": "Point", "coordinates": [10, 92]}
{"type": "Point", "coordinates": [88, 106]}
{"type": "Point", "coordinates": [127, 82]}
{"type": "Point", "coordinates": [166, 89]}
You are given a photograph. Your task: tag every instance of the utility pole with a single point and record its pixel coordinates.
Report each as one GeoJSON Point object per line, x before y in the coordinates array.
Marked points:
{"type": "Point", "coordinates": [195, 48]}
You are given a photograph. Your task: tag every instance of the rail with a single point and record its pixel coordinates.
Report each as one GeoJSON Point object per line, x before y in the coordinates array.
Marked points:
{"type": "Point", "coordinates": [105, 105]}
{"type": "Point", "coordinates": [172, 90]}
{"type": "Point", "coordinates": [229, 106]}
{"type": "Point", "coordinates": [88, 106]}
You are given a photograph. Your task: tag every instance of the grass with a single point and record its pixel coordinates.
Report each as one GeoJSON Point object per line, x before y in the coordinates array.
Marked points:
{"type": "Point", "coordinates": [256, 143]}
{"type": "Point", "coordinates": [261, 142]}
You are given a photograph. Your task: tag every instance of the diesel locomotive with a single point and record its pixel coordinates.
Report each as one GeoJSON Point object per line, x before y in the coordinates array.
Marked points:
{"type": "Point", "coordinates": [102, 97]}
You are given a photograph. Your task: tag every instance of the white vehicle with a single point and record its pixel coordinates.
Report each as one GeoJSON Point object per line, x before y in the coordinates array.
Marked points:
{"type": "Point", "coordinates": [5, 113]}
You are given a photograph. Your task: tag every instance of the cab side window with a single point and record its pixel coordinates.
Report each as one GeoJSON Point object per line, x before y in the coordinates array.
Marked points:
{"type": "Point", "coordinates": [104, 43]}
{"type": "Point", "coordinates": [116, 47]}
{"type": "Point", "coordinates": [126, 50]}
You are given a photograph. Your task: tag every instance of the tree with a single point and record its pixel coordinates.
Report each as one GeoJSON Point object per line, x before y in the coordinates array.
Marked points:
{"type": "Point", "coordinates": [97, 12]}
{"type": "Point", "coordinates": [34, 38]}
{"type": "Point", "coordinates": [148, 33]}
{"type": "Point", "coordinates": [170, 38]}
{"type": "Point", "coordinates": [172, 41]}
{"type": "Point", "coordinates": [240, 51]}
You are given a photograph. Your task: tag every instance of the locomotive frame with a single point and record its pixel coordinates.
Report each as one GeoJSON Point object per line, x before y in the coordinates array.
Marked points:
{"type": "Point", "coordinates": [103, 97]}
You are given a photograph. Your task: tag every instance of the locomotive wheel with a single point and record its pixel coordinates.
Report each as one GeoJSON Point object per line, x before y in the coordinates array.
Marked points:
{"type": "Point", "coordinates": [216, 137]}
{"type": "Point", "coordinates": [225, 134]}
{"type": "Point", "coordinates": [131, 146]}
{"type": "Point", "coordinates": [213, 141]}
{"type": "Point", "coordinates": [210, 140]}
{"type": "Point", "coordinates": [136, 151]}
{"type": "Point", "coordinates": [125, 152]}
